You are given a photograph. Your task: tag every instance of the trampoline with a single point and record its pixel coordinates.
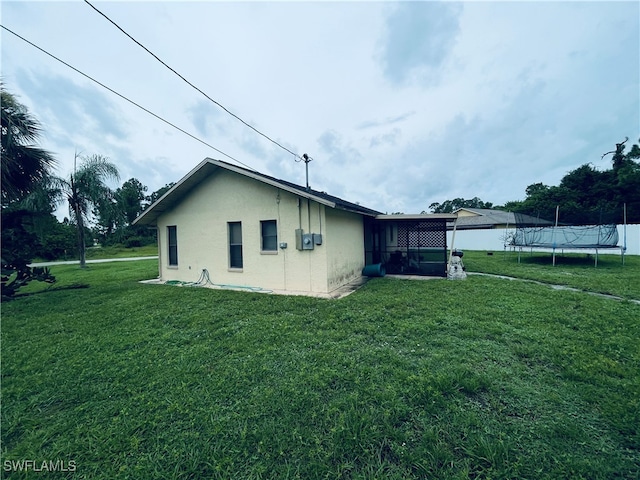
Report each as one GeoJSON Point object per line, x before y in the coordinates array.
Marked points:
{"type": "Point", "coordinates": [568, 237]}
{"type": "Point", "coordinates": [578, 237]}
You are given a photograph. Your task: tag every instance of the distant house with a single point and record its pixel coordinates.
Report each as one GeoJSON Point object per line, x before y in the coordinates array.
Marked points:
{"type": "Point", "coordinates": [245, 228]}
{"type": "Point", "coordinates": [483, 218]}
{"type": "Point", "coordinates": [488, 229]}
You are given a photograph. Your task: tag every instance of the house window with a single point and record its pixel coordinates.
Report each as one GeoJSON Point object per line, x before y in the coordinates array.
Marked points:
{"type": "Point", "coordinates": [172, 234]}
{"type": "Point", "coordinates": [235, 245]}
{"type": "Point", "coordinates": [269, 236]}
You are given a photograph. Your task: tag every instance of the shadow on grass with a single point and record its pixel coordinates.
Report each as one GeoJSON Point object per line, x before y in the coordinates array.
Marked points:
{"type": "Point", "coordinates": [578, 260]}
{"type": "Point", "coordinates": [75, 286]}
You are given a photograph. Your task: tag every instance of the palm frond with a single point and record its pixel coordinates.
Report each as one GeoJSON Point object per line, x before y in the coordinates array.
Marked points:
{"type": "Point", "coordinates": [24, 165]}
{"type": "Point", "coordinates": [87, 186]}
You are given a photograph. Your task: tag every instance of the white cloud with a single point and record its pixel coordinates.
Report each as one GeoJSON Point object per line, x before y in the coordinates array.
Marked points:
{"type": "Point", "coordinates": [418, 39]}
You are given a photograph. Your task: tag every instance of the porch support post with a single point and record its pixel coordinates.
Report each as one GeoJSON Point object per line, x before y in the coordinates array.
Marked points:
{"type": "Point", "coordinates": [453, 240]}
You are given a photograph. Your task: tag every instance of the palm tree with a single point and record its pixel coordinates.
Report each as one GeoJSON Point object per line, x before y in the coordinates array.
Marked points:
{"type": "Point", "coordinates": [25, 169]}
{"type": "Point", "coordinates": [84, 190]}
{"type": "Point", "coordinates": [24, 165]}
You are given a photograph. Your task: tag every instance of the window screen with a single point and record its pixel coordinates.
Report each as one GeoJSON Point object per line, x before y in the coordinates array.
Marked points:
{"type": "Point", "coordinates": [235, 244]}
{"type": "Point", "coordinates": [269, 235]}
{"type": "Point", "coordinates": [172, 234]}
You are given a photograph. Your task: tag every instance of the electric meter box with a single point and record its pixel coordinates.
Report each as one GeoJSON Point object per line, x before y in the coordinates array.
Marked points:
{"type": "Point", "coordinates": [305, 241]}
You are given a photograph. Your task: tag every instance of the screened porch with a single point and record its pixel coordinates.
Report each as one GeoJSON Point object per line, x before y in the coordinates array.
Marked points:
{"type": "Point", "coordinates": [409, 244]}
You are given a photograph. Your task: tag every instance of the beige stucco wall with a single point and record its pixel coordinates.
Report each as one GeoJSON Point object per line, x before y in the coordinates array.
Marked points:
{"type": "Point", "coordinates": [201, 220]}
{"type": "Point", "coordinates": [345, 247]}
{"type": "Point", "coordinates": [466, 213]}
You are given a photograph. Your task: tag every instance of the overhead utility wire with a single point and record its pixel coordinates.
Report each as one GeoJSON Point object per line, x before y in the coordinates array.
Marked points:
{"type": "Point", "coordinates": [298, 158]}
{"type": "Point", "coordinates": [125, 98]}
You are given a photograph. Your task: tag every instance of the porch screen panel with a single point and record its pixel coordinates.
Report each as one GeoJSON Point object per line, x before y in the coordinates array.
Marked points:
{"type": "Point", "coordinates": [422, 235]}
{"type": "Point", "coordinates": [425, 244]}
{"type": "Point", "coordinates": [433, 234]}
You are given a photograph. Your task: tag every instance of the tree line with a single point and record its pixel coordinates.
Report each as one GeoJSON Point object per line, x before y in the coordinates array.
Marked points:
{"type": "Point", "coordinates": [585, 195]}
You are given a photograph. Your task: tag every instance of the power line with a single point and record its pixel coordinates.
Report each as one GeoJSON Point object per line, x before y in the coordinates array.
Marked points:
{"type": "Point", "coordinates": [125, 98]}
{"type": "Point", "coordinates": [297, 157]}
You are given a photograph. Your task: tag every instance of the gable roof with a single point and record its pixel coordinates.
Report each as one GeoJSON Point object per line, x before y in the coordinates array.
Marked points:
{"type": "Point", "coordinates": [209, 166]}
{"type": "Point", "coordinates": [488, 218]}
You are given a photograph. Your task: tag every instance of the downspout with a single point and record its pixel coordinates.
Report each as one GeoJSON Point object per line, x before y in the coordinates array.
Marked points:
{"type": "Point", "coordinates": [158, 234]}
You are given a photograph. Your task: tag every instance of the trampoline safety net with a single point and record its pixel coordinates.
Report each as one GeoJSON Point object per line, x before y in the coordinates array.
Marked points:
{"type": "Point", "coordinates": [582, 236]}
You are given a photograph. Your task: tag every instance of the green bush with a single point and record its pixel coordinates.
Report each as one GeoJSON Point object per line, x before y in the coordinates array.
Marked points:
{"type": "Point", "coordinates": [133, 242]}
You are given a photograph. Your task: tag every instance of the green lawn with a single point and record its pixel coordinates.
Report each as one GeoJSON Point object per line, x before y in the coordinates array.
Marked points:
{"type": "Point", "coordinates": [121, 252]}
{"type": "Point", "coordinates": [574, 270]}
{"type": "Point", "coordinates": [113, 251]}
{"type": "Point", "coordinates": [482, 378]}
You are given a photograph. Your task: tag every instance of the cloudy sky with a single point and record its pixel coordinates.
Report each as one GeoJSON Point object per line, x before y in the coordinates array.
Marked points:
{"type": "Point", "coordinates": [400, 104]}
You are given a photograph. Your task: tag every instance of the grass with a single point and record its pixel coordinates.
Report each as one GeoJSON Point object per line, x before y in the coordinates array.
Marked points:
{"type": "Point", "coordinates": [113, 251]}
{"type": "Point", "coordinates": [483, 378]}
{"type": "Point", "coordinates": [573, 270]}
{"type": "Point", "coordinates": [121, 252]}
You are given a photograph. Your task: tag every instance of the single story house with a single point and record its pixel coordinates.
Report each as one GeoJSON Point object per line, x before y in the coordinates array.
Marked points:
{"type": "Point", "coordinates": [245, 228]}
